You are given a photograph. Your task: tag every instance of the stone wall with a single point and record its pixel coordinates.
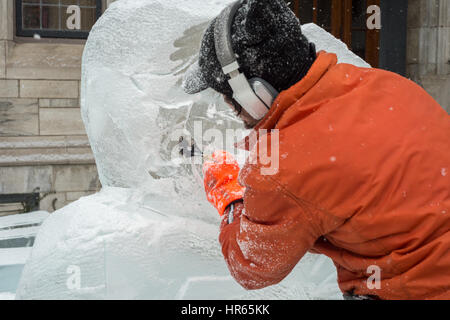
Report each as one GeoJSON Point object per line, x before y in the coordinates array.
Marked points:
{"type": "Point", "coordinates": [428, 50]}
{"type": "Point", "coordinates": [43, 145]}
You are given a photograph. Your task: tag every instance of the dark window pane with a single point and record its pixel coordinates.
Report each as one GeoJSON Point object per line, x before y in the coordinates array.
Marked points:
{"type": "Point", "coordinates": [31, 17]}
{"type": "Point", "coordinates": [50, 18]}
{"type": "Point", "coordinates": [87, 18]}
{"type": "Point", "coordinates": [306, 11]}
{"type": "Point", "coordinates": [359, 14]}
{"type": "Point", "coordinates": [324, 14]}
{"type": "Point", "coordinates": [359, 43]}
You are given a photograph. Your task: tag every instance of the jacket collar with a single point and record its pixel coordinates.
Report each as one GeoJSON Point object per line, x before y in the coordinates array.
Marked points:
{"type": "Point", "coordinates": [290, 96]}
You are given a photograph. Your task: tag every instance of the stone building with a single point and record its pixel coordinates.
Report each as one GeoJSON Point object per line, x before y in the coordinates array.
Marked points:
{"type": "Point", "coordinates": [45, 158]}
{"type": "Point", "coordinates": [428, 47]}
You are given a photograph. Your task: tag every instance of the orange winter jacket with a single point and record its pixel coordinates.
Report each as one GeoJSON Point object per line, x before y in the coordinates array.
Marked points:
{"type": "Point", "coordinates": [364, 178]}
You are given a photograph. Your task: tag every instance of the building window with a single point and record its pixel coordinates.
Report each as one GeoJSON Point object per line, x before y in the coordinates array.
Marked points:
{"type": "Point", "coordinates": [346, 20]}
{"type": "Point", "coordinates": [56, 18]}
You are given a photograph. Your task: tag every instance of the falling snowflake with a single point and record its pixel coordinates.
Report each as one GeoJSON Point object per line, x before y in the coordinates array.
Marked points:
{"type": "Point", "coordinates": [444, 172]}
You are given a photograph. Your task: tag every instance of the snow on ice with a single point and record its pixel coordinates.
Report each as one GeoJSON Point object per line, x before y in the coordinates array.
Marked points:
{"type": "Point", "coordinates": [150, 233]}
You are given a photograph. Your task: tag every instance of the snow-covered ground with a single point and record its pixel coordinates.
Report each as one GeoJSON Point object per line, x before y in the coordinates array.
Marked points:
{"type": "Point", "coordinates": [107, 247]}
{"type": "Point", "coordinates": [7, 296]}
{"type": "Point", "coordinates": [16, 235]}
{"type": "Point", "coordinates": [9, 280]}
{"type": "Point", "coordinates": [150, 233]}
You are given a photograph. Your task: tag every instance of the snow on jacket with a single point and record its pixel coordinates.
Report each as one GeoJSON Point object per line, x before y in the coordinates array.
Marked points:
{"type": "Point", "coordinates": [364, 178]}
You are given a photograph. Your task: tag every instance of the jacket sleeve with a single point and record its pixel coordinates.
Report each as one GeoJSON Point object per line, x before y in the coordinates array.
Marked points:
{"type": "Point", "coordinates": [271, 232]}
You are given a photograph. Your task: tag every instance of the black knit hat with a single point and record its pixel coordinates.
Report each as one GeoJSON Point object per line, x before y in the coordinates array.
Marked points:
{"type": "Point", "coordinates": [268, 42]}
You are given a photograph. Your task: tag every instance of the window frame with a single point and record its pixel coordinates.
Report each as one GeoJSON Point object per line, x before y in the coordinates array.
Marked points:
{"type": "Point", "coordinates": [62, 34]}
{"type": "Point", "coordinates": [341, 26]}
{"type": "Point", "coordinates": [385, 48]}
{"type": "Point", "coordinates": [393, 35]}
{"type": "Point", "coordinates": [29, 201]}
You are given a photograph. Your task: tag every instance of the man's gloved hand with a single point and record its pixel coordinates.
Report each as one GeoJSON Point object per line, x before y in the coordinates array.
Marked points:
{"type": "Point", "coordinates": [220, 172]}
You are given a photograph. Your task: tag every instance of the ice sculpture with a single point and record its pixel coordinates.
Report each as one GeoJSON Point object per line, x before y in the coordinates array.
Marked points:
{"type": "Point", "coordinates": [150, 234]}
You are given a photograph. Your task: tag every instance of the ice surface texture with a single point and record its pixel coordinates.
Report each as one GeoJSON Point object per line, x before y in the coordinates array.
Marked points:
{"type": "Point", "coordinates": [126, 251]}
{"type": "Point", "coordinates": [150, 232]}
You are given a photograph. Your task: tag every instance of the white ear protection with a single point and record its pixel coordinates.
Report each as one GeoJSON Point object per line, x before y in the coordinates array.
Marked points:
{"type": "Point", "coordinates": [256, 95]}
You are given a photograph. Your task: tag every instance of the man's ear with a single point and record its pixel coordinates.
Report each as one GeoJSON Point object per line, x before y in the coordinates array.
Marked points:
{"type": "Point", "coordinates": [258, 19]}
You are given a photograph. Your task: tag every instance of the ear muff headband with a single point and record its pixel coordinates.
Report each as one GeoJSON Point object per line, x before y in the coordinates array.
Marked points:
{"type": "Point", "coordinates": [222, 34]}
{"type": "Point", "coordinates": [242, 91]}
